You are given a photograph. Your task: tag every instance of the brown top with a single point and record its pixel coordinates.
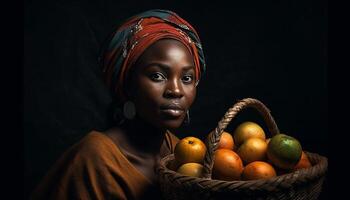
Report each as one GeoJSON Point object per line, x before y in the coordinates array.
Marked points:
{"type": "Point", "coordinates": [95, 168]}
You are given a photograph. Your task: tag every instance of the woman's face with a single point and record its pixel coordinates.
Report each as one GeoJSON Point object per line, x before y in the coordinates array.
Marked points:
{"type": "Point", "coordinates": [163, 84]}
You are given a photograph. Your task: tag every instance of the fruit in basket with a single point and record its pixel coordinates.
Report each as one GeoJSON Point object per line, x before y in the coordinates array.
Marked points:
{"type": "Point", "coordinates": [258, 170]}
{"type": "Point", "coordinates": [191, 169]}
{"type": "Point", "coordinates": [253, 149]}
{"type": "Point", "coordinates": [190, 149]}
{"type": "Point", "coordinates": [284, 151]}
{"type": "Point", "coordinates": [247, 130]}
{"type": "Point", "coordinates": [226, 141]}
{"type": "Point", "coordinates": [304, 162]}
{"type": "Point", "coordinates": [227, 166]}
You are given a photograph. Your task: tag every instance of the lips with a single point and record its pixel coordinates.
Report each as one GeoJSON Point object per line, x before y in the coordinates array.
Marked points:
{"type": "Point", "coordinates": [172, 110]}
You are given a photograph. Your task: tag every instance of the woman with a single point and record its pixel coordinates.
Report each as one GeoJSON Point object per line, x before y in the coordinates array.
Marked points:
{"type": "Point", "coordinates": [152, 64]}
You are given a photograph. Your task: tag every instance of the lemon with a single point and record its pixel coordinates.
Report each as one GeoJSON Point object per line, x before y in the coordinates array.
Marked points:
{"type": "Point", "coordinates": [253, 149]}
{"type": "Point", "coordinates": [247, 130]}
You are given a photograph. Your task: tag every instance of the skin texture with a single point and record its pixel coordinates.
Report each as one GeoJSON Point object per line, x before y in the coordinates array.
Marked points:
{"type": "Point", "coordinates": [161, 78]}
{"type": "Point", "coordinates": [164, 74]}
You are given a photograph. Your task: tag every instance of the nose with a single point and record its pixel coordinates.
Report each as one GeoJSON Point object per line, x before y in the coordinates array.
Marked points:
{"type": "Point", "coordinates": [173, 89]}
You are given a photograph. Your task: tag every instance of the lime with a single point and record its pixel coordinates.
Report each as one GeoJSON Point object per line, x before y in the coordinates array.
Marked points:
{"type": "Point", "coordinates": [284, 151]}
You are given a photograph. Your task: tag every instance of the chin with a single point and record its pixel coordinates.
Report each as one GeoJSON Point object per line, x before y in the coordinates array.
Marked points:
{"type": "Point", "coordinates": [172, 124]}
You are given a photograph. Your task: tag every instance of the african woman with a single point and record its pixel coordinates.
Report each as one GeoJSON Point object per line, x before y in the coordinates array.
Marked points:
{"type": "Point", "coordinates": [153, 63]}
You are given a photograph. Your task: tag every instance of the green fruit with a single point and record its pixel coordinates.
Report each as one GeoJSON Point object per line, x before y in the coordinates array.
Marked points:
{"type": "Point", "coordinates": [284, 151]}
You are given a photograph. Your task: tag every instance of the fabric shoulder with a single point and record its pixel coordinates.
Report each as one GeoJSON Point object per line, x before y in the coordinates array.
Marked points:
{"type": "Point", "coordinates": [96, 144]}
{"type": "Point", "coordinates": [99, 150]}
{"type": "Point", "coordinates": [85, 168]}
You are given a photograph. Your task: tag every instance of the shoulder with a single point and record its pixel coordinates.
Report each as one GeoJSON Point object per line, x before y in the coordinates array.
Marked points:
{"type": "Point", "coordinates": [94, 140]}
{"type": "Point", "coordinates": [95, 156]}
{"type": "Point", "coordinates": [95, 151]}
{"type": "Point", "coordinates": [95, 146]}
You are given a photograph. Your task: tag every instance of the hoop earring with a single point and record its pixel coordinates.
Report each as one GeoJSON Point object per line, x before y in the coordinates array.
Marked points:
{"type": "Point", "coordinates": [187, 119]}
{"type": "Point", "coordinates": [129, 110]}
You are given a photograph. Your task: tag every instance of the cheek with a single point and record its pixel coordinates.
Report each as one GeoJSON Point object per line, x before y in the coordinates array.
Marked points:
{"type": "Point", "coordinates": [190, 93]}
{"type": "Point", "coordinates": [148, 94]}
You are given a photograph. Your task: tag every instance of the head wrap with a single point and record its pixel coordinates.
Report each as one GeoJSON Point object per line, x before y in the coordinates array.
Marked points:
{"type": "Point", "coordinates": [139, 32]}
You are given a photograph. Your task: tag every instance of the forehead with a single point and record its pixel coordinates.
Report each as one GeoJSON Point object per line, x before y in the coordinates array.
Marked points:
{"type": "Point", "coordinates": [169, 51]}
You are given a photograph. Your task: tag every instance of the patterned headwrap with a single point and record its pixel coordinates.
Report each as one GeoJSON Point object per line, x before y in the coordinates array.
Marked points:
{"type": "Point", "coordinates": [139, 32]}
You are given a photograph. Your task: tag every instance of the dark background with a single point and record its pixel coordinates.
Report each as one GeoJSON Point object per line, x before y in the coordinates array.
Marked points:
{"type": "Point", "coordinates": [275, 52]}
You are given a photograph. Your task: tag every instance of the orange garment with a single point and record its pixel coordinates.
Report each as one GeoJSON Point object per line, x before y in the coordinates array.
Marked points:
{"type": "Point", "coordinates": [95, 168]}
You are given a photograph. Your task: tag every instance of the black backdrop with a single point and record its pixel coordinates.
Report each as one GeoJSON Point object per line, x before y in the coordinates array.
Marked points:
{"type": "Point", "coordinates": [275, 52]}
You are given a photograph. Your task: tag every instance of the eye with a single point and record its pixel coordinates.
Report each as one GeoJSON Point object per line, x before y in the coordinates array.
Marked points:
{"type": "Point", "coordinates": [188, 79]}
{"type": "Point", "coordinates": [157, 76]}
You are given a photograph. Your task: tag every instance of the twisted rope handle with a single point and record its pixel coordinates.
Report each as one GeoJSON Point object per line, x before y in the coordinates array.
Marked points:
{"type": "Point", "coordinates": [229, 115]}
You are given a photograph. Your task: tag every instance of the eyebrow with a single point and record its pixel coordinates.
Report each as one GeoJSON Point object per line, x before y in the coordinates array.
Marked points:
{"type": "Point", "coordinates": [168, 68]}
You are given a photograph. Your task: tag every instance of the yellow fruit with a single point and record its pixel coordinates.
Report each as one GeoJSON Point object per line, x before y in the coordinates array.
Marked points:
{"type": "Point", "coordinates": [253, 149]}
{"type": "Point", "coordinates": [284, 151]}
{"type": "Point", "coordinates": [190, 149]}
{"type": "Point", "coordinates": [191, 169]}
{"type": "Point", "coordinates": [247, 130]}
{"type": "Point", "coordinates": [258, 170]}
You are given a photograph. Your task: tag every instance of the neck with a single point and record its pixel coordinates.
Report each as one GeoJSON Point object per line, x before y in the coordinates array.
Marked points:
{"type": "Point", "coordinates": [143, 136]}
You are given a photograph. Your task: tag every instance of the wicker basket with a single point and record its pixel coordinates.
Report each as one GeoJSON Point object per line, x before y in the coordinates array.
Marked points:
{"type": "Point", "coordinates": [301, 184]}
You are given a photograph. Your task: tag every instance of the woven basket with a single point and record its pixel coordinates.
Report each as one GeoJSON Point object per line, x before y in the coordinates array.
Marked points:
{"type": "Point", "coordinates": [301, 184]}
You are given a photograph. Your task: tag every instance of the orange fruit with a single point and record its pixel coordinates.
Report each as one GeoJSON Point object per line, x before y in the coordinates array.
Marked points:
{"type": "Point", "coordinates": [226, 141]}
{"type": "Point", "coordinates": [191, 169]}
{"type": "Point", "coordinates": [247, 130]}
{"type": "Point", "coordinates": [253, 149]}
{"type": "Point", "coordinates": [304, 162]}
{"type": "Point", "coordinates": [190, 149]}
{"type": "Point", "coordinates": [258, 170]}
{"type": "Point", "coordinates": [284, 151]}
{"type": "Point", "coordinates": [227, 166]}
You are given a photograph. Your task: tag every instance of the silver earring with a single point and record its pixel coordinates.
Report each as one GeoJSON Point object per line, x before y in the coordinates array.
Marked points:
{"type": "Point", "coordinates": [187, 119]}
{"type": "Point", "coordinates": [129, 110]}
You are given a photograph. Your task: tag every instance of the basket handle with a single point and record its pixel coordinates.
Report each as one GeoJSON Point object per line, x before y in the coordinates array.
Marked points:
{"type": "Point", "coordinates": [229, 115]}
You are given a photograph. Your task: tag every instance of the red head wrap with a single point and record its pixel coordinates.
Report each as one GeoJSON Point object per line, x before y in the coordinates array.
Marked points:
{"type": "Point", "coordinates": [138, 33]}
